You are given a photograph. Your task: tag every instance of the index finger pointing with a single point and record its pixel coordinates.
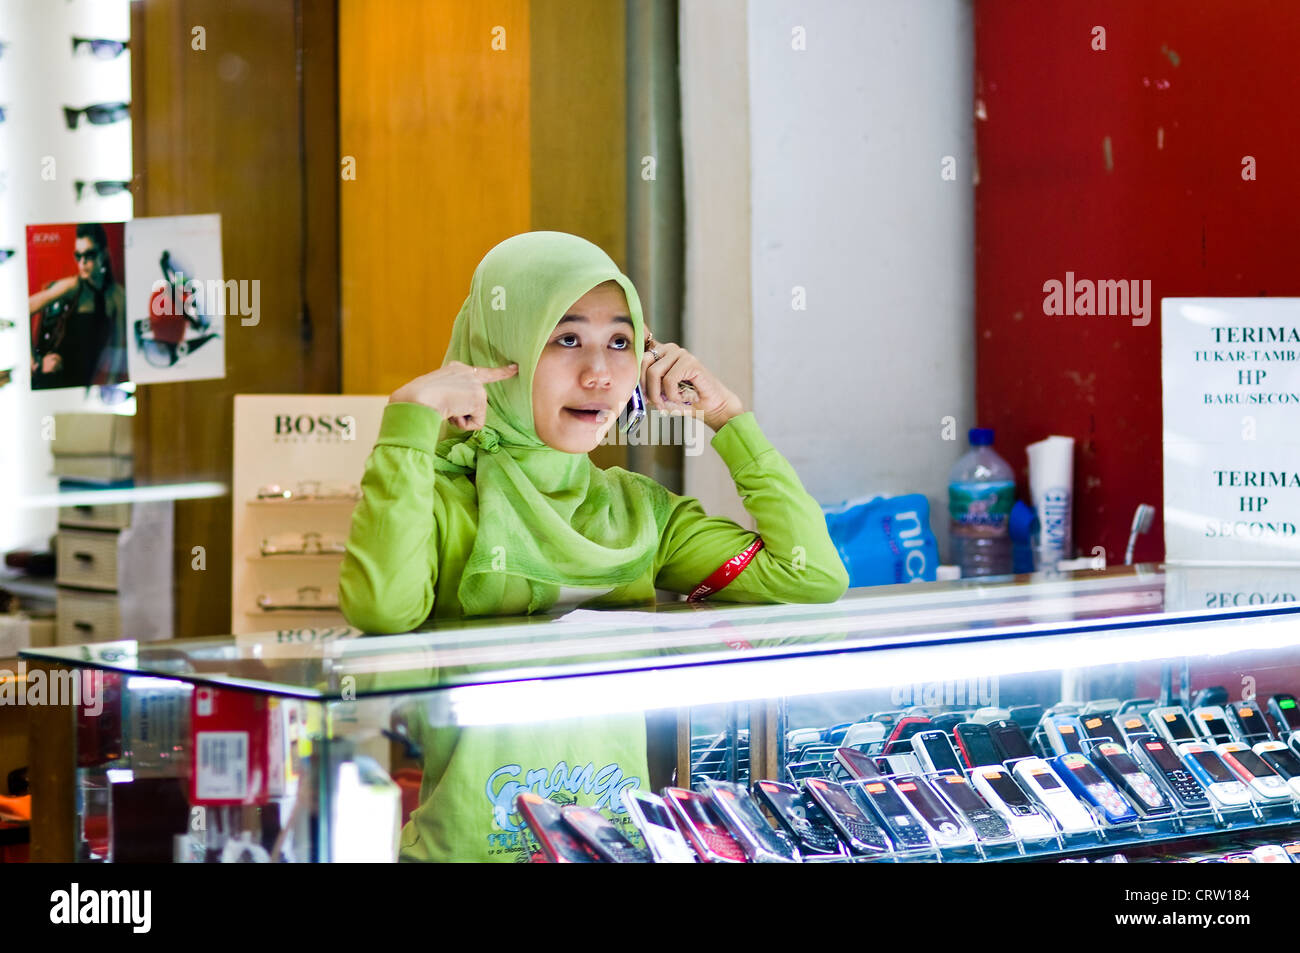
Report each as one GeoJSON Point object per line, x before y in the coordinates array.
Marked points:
{"type": "Point", "coordinates": [489, 374]}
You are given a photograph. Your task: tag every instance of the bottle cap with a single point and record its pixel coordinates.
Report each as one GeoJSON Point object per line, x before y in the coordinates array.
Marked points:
{"type": "Point", "coordinates": [981, 436]}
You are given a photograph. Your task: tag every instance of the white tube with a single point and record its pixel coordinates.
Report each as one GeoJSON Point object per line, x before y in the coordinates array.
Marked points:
{"type": "Point", "coordinates": [1051, 484]}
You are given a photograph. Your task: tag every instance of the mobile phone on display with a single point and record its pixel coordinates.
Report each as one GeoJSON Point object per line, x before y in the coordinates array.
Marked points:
{"type": "Point", "coordinates": [1264, 783]}
{"type": "Point", "coordinates": [1165, 761]}
{"type": "Point", "coordinates": [940, 821]}
{"type": "Point", "coordinates": [858, 828]}
{"type": "Point", "coordinates": [602, 836]}
{"type": "Point", "coordinates": [1249, 722]}
{"type": "Point", "coordinates": [900, 738]}
{"type": "Point", "coordinates": [887, 718]}
{"type": "Point", "coordinates": [935, 752]}
{"type": "Point", "coordinates": [1239, 857]}
{"type": "Point", "coordinates": [986, 716]}
{"type": "Point", "coordinates": [858, 765]}
{"type": "Point", "coordinates": [1215, 696]}
{"type": "Point", "coordinates": [976, 744]}
{"type": "Point", "coordinates": [1286, 715]}
{"type": "Point", "coordinates": [1215, 776]}
{"type": "Point", "coordinates": [1114, 761]}
{"type": "Point", "coordinates": [947, 721]}
{"type": "Point", "coordinates": [1271, 854]}
{"type": "Point", "coordinates": [1006, 797]}
{"type": "Point", "coordinates": [1082, 777]}
{"type": "Point", "coordinates": [1063, 734]}
{"type": "Point", "coordinates": [1172, 724]}
{"type": "Point", "coordinates": [653, 818]}
{"type": "Point", "coordinates": [1100, 727]}
{"type": "Point", "coordinates": [903, 828]}
{"type": "Point", "coordinates": [834, 734]}
{"type": "Point", "coordinates": [987, 824]}
{"type": "Point", "coordinates": [1293, 851]}
{"type": "Point", "coordinates": [796, 738]}
{"type": "Point", "coordinates": [903, 763]}
{"type": "Point", "coordinates": [1136, 706]}
{"type": "Point", "coordinates": [1042, 783]}
{"type": "Point", "coordinates": [1212, 722]}
{"type": "Point", "coordinates": [1026, 716]}
{"type": "Point", "coordinates": [863, 733]}
{"type": "Point", "coordinates": [1282, 760]}
{"type": "Point", "coordinates": [763, 843]}
{"type": "Point", "coordinates": [1010, 741]}
{"type": "Point", "coordinates": [703, 827]}
{"type": "Point", "coordinates": [1101, 706]}
{"type": "Point", "coordinates": [800, 816]}
{"type": "Point", "coordinates": [1132, 726]}
{"type": "Point", "coordinates": [559, 843]}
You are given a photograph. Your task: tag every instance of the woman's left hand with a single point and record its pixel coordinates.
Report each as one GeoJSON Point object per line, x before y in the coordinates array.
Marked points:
{"type": "Point", "coordinates": [663, 375]}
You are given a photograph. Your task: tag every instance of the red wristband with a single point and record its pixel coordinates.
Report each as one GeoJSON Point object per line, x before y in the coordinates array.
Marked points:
{"type": "Point", "coordinates": [728, 571]}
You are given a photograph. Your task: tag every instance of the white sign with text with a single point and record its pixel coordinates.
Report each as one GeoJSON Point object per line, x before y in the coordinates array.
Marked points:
{"type": "Point", "coordinates": [1231, 380]}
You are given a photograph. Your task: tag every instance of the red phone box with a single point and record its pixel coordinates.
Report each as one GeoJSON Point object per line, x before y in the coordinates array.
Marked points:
{"type": "Point", "coordinates": [228, 740]}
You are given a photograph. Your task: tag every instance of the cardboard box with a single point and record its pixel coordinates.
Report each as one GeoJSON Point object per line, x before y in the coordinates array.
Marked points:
{"type": "Point", "coordinates": [92, 434]}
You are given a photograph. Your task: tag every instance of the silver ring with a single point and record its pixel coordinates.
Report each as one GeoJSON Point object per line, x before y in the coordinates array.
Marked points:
{"type": "Point", "coordinates": [654, 353]}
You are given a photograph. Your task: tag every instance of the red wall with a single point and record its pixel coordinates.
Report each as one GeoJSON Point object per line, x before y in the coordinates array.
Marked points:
{"type": "Point", "coordinates": [1180, 215]}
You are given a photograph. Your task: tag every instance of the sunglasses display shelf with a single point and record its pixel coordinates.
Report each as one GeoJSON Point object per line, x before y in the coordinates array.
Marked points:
{"type": "Point", "coordinates": [738, 694]}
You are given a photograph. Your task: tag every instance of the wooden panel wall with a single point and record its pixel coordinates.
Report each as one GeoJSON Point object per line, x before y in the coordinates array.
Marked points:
{"type": "Point", "coordinates": [227, 129]}
{"type": "Point", "coordinates": [459, 146]}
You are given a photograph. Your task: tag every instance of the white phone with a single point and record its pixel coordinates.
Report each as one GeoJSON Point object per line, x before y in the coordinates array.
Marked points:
{"type": "Point", "coordinates": [1264, 783]}
{"type": "Point", "coordinates": [654, 820]}
{"type": "Point", "coordinates": [862, 733]}
{"type": "Point", "coordinates": [1270, 854]}
{"type": "Point", "coordinates": [1044, 785]}
{"type": "Point", "coordinates": [986, 716]}
{"type": "Point", "coordinates": [904, 763]}
{"type": "Point", "coordinates": [1009, 799]}
{"type": "Point", "coordinates": [1282, 760]}
{"type": "Point", "coordinates": [1212, 722]}
{"type": "Point", "coordinates": [1172, 724]}
{"type": "Point", "coordinates": [1216, 777]}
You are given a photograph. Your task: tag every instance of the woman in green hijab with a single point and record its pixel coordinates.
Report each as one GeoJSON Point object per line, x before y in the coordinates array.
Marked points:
{"type": "Point", "coordinates": [479, 499]}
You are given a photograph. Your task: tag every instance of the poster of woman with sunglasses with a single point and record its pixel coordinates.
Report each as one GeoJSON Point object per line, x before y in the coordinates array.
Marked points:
{"type": "Point", "coordinates": [77, 305]}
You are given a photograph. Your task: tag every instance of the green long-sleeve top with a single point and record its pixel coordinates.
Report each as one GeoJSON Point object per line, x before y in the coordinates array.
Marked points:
{"type": "Point", "coordinates": [412, 533]}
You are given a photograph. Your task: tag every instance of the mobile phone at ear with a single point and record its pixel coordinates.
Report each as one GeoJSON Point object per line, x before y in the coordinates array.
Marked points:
{"type": "Point", "coordinates": [560, 844]}
{"type": "Point", "coordinates": [633, 412]}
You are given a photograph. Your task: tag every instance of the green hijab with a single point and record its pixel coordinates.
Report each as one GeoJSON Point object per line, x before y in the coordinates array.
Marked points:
{"type": "Point", "coordinates": [553, 518]}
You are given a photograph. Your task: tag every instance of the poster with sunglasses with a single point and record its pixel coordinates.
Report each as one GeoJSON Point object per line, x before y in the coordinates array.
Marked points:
{"type": "Point", "coordinates": [77, 304]}
{"type": "Point", "coordinates": [176, 299]}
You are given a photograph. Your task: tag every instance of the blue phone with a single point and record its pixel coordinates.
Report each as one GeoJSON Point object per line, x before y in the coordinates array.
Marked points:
{"type": "Point", "coordinates": [633, 412]}
{"type": "Point", "coordinates": [1063, 734]}
{"type": "Point", "coordinates": [1082, 777]}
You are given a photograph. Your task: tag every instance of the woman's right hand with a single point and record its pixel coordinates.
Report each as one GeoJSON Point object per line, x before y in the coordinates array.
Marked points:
{"type": "Point", "coordinates": [457, 392]}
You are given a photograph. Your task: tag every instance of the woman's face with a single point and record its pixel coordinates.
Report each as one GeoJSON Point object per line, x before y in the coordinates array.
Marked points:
{"type": "Point", "coordinates": [586, 372]}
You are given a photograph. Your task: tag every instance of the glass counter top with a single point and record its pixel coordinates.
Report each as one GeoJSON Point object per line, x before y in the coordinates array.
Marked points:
{"type": "Point", "coordinates": [341, 663]}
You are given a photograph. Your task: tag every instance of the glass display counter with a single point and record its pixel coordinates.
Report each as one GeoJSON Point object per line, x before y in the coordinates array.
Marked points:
{"type": "Point", "coordinates": [309, 745]}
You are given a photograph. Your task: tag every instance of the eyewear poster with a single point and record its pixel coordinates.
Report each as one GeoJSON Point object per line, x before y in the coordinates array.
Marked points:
{"type": "Point", "coordinates": [1231, 430]}
{"type": "Point", "coordinates": [175, 299]}
{"type": "Point", "coordinates": [77, 304]}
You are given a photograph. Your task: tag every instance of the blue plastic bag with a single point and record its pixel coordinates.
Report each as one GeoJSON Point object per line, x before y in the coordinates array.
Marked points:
{"type": "Point", "coordinates": [884, 540]}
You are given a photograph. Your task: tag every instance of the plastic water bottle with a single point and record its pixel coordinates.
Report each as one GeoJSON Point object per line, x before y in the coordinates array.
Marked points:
{"type": "Point", "coordinates": [981, 492]}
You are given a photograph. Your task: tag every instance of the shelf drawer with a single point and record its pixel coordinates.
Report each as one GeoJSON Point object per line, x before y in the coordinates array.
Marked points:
{"type": "Point", "coordinates": [87, 617]}
{"type": "Point", "coordinates": [88, 558]}
{"type": "Point", "coordinates": [96, 515]}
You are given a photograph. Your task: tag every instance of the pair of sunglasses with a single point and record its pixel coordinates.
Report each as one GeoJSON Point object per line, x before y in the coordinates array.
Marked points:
{"type": "Point", "coordinates": [97, 114]}
{"type": "Point", "coordinates": [101, 49]}
{"type": "Point", "coordinates": [102, 187]}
